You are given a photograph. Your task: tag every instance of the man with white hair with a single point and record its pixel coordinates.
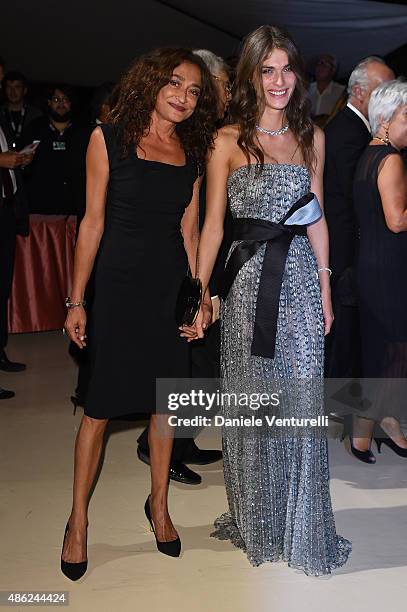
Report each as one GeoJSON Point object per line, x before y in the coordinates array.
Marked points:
{"type": "Point", "coordinates": [346, 137]}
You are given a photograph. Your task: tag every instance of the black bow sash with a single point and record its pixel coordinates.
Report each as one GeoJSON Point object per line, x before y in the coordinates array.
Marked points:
{"type": "Point", "coordinates": [254, 233]}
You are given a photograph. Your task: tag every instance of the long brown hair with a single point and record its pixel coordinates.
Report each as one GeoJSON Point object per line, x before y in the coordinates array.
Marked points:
{"type": "Point", "coordinates": [247, 104]}
{"type": "Point", "coordinates": [136, 96]}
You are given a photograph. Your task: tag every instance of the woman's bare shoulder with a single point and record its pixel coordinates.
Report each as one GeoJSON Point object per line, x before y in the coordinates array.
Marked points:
{"type": "Point", "coordinates": [226, 139]}
{"type": "Point", "coordinates": [97, 138]}
{"type": "Point", "coordinates": [319, 135]}
{"type": "Point", "coordinates": [229, 132]}
{"type": "Point", "coordinates": [393, 167]}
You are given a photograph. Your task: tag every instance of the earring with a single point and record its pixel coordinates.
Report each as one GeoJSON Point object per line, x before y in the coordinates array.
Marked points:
{"type": "Point", "coordinates": [387, 136]}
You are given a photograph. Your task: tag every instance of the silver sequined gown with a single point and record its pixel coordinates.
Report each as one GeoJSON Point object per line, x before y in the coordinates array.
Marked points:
{"type": "Point", "coordinates": [277, 487]}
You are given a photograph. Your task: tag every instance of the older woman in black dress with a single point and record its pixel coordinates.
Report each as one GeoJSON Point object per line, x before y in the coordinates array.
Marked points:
{"type": "Point", "coordinates": [380, 196]}
{"type": "Point", "coordinates": [140, 228]}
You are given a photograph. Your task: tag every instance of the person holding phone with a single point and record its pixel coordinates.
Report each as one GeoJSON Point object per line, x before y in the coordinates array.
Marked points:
{"type": "Point", "coordinates": [13, 221]}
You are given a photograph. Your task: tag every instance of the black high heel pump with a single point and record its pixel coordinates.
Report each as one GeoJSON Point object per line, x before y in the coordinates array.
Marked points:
{"type": "Point", "coordinates": [172, 548]}
{"type": "Point", "coordinates": [365, 456]}
{"type": "Point", "coordinates": [399, 450]}
{"type": "Point", "coordinates": [73, 571]}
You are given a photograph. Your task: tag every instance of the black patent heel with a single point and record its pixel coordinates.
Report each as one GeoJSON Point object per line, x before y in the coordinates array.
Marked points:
{"type": "Point", "coordinates": [172, 548]}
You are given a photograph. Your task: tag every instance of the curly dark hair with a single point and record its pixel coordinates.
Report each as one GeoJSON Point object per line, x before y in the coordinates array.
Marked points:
{"type": "Point", "coordinates": [136, 96]}
{"type": "Point", "coordinates": [248, 101]}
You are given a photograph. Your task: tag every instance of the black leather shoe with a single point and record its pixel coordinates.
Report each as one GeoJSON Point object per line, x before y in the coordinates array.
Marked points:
{"type": "Point", "coordinates": [178, 471]}
{"type": "Point", "coordinates": [182, 473]}
{"type": "Point", "coordinates": [5, 394]}
{"type": "Point", "coordinates": [200, 456]}
{"type": "Point", "coordinates": [10, 366]}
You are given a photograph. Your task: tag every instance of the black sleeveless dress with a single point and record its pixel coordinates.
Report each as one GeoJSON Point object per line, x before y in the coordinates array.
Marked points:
{"type": "Point", "coordinates": [381, 275]}
{"type": "Point", "coordinates": [132, 334]}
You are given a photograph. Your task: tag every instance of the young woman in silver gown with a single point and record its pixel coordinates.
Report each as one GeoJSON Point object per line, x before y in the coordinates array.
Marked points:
{"type": "Point", "coordinates": [276, 308]}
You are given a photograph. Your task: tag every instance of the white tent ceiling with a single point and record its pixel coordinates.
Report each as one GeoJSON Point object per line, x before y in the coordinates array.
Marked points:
{"type": "Point", "coordinates": [88, 41]}
{"type": "Point", "coordinates": [350, 29]}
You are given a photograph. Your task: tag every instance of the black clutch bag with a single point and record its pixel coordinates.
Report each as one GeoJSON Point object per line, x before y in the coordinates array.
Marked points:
{"type": "Point", "coordinates": [188, 301]}
{"type": "Point", "coordinates": [190, 293]}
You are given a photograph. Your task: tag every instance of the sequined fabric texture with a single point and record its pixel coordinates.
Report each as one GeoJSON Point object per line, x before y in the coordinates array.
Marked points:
{"type": "Point", "coordinates": [277, 485]}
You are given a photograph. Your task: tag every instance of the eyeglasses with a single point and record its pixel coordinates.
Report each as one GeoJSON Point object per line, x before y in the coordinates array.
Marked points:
{"type": "Point", "coordinates": [226, 84]}
{"type": "Point", "coordinates": [62, 99]}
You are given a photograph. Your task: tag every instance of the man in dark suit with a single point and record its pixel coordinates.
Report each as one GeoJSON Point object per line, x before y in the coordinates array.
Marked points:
{"type": "Point", "coordinates": [16, 114]}
{"type": "Point", "coordinates": [49, 182]}
{"type": "Point", "coordinates": [346, 137]}
{"type": "Point", "coordinates": [13, 220]}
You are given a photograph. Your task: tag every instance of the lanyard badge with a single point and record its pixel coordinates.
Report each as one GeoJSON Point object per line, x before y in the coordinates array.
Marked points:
{"type": "Point", "coordinates": [59, 145]}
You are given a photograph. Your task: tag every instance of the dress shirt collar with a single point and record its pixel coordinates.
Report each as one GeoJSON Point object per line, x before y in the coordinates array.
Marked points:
{"type": "Point", "coordinates": [360, 115]}
{"type": "Point", "coordinates": [328, 89]}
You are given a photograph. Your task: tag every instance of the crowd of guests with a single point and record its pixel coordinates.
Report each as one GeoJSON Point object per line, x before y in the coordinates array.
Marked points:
{"type": "Point", "coordinates": [365, 197]}
{"type": "Point", "coordinates": [43, 171]}
{"type": "Point", "coordinates": [54, 181]}
{"type": "Point", "coordinates": [365, 202]}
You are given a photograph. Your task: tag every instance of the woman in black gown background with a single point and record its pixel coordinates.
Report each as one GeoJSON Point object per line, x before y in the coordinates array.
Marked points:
{"type": "Point", "coordinates": [380, 196]}
{"type": "Point", "coordinates": [141, 229]}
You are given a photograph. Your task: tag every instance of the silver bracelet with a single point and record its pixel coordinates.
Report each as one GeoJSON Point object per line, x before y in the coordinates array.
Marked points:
{"type": "Point", "coordinates": [70, 304]}
{"type": "Point", "coordinates": [324, 270]}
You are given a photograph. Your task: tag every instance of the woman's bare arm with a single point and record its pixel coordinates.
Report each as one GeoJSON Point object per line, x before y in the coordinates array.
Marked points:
{"type": "Point", "coordinates": [318, 232]}
{"type": "Point", "coordinates": [90, 232]}
{"type": "Point", "coordinates": [392, 185]}
{"type": "Point", "coordinates": [190, 227]}
{"type": "Point", "coordinates": [190, 232]}
{"type": "Point", "coordinates": [217, 169]}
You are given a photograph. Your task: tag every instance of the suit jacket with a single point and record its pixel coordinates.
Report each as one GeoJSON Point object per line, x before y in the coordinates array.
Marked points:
{"type": "Point", "coordinates": [346, 137]}
{"type": "Point", "coordinates": [20, 201]}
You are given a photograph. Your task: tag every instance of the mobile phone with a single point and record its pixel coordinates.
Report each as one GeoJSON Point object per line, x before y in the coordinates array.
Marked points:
{"type": "Point", "coordinates": [31, 148]}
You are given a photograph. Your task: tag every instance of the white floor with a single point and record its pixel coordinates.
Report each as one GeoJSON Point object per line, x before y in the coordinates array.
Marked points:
{"type": "Point", "coordinates": [126, 572]}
